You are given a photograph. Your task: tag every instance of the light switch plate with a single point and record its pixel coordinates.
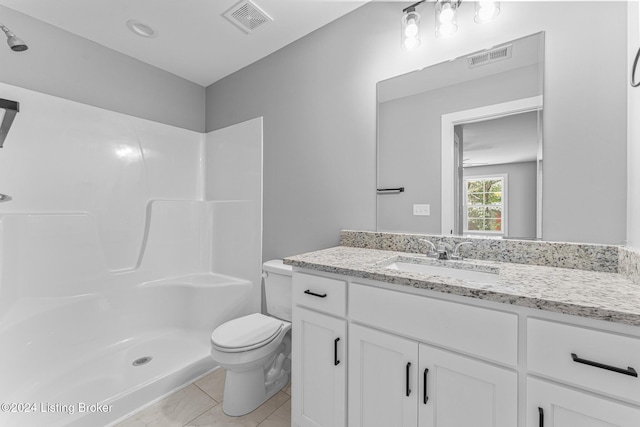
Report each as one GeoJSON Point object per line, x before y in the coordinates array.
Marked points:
{"type": "Point", "coordinates": [424, 210]}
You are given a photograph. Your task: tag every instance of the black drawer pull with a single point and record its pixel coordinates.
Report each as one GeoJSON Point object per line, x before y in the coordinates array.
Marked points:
{"type": "Point", "coordinates": [408, 389]}
{"type": "Point", "coordinates": [629, 371]}
{"type": "Point", "coordinates": [308, 292]}
{"type": "Point", "coordinates": [425, 398]}
{"type": "Point", "coordinates": [336, 362]}
{"type": "Point", "coordinates": [540, 417]}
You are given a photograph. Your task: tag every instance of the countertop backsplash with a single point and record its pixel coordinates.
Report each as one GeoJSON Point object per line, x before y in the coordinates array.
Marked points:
{"type": "Point", "coordinates": [629, 263]}
{"type": "Point", "coordinates": [581, 256]}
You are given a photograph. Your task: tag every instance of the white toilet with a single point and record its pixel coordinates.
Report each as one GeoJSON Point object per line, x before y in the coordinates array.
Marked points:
{"type": "Point", "coordinates": [254, 348]}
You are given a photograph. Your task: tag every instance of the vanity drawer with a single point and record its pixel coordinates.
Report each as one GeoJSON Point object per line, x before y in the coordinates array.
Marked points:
{"type": "Point", "coordinates": [320, 293]}
{"type": "Point", "coordinates": [551, 348]}
{"type": "Point", "coordinates": [481, 332]}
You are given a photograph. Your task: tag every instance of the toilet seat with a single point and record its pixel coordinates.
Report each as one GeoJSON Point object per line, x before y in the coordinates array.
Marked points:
{"type": "Point", "coordinates": [246, 333]}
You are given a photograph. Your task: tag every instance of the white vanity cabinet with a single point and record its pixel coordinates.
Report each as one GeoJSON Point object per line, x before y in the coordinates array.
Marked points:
{"type": "Point", "coordinates": [463, 391]}
{"type": "Point", "coordinates": [382, 379]}
{"type": "Point", "coordinates": [319, 341]}
{"type": "Point", "coordinates": [319, 373]}
{"type": "Point", "coordinates": [402, 381]}
{"type": "Point", "coordinates": [552, 405]}
{"type": "Point", "coordinates": [395, 381]}
{"type": "Point", "coordinates": [426, 359]}
{"type": "Point", "coordinates": [588, 360]}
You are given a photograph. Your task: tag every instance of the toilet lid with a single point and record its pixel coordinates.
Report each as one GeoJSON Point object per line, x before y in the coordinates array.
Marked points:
{"type": "Point", "coordinates": [245, 333]}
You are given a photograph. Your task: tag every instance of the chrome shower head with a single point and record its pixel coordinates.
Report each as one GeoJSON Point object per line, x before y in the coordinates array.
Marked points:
{"type": "Point", "coordinates": [16, 44]}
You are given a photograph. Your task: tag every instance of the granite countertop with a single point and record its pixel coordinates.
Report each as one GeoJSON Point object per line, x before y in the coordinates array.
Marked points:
{"type": "Point", "coordinates": [597, 295]}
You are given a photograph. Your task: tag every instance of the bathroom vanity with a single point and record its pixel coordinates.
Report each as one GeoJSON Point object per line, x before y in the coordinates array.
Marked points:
{"type": "Point", "coordinates": [379, 339]}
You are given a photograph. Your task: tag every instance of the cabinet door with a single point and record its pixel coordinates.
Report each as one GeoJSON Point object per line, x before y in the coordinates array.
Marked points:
{"type": "Point", "coordinates": [383, 383]}
{"type": "Point", "coordinates": [319, 370]}
{"type": "Point", "coordinates": [460, 391]}
{"type": "Point", "coordinates": [551, 405]}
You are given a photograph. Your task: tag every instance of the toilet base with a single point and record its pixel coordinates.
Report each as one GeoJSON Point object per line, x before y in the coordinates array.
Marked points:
{"type": "Point", "coordinates": [252, 377]}
{"type": "Point", "coordinates": [246, 391]}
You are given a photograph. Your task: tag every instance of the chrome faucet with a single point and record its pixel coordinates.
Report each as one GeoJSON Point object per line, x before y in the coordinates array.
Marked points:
{"type": "Point", "coordinates": [456, 250]}
{"type": "Point", "coordinates": [433, 252]}
{"type": "Point", "coordinates": [442, 251]}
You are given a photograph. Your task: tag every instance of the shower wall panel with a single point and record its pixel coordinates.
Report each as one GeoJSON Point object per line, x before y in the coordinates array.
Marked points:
{"type": "Point", "coordinates": [233, 159]}
{"type": "Point", "coordinates": [84, 183]}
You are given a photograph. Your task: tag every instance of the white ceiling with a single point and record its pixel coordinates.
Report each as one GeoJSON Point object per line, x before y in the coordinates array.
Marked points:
{"type": "Point", "coordinates": [510, 139]}
{"type": "Point", "coordinates": [194, 40]}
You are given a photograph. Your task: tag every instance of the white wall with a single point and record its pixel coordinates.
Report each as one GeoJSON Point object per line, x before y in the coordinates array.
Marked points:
{"type": "Point", "coordinates": [318, 99]}
{"type": "Point", "coordinates": [633, 113]}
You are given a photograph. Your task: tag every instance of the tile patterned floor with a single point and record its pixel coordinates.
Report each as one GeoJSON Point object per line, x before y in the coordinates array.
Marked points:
{"type": "Point", "coordinates": [200, 404]}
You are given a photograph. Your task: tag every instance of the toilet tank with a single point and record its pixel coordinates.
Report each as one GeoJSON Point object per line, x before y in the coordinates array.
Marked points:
{"type": "Point", "coordinates": [277, 288]}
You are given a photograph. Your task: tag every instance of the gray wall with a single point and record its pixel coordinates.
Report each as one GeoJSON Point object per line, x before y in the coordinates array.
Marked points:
{"type": "Point", "coordinates": [521, 195]}
{"type": "Point", "coordinates": [410, 148]}
{"type": "Point", "coordinates": [585, 126]}
{"type": "Point", "coordinates": [62, 64]}
{"type": "Point", "coordinates": [317, 96]}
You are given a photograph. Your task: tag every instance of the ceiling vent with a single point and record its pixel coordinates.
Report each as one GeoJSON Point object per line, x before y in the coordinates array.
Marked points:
{"type": "Point", "coordinates": [247, 16]}
{"type": "Point", "coordinates": [490, 56]}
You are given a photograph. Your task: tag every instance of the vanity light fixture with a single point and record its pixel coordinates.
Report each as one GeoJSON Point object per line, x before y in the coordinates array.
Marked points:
{"type": "Point", "coordinates": [410, 28]}
{"type": "Point", "coordinates": [486, 11]}
{"type": "Point", "coordinates": [446, 24]}
{"type": "Point", "coordinates": [446, 19]}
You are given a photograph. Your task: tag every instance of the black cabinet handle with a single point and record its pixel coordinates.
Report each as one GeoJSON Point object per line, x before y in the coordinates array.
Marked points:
{"type": "Point", "coordinates": [425, 398]}
{"type": "Point", "coordinates": [629, 371]}
{"type": "Point", "coordinates": [390, 190]}
{"type": "Point", "coordinates": [408, 389]}
{"type": "Point", "coordinates": [635, 83]}
{"type": "Point", "coordinates": [308, 292]}
{"type": "Point", "coordinates": [540, 417]}
{"type": "Point", "coordinates": [336, 362]}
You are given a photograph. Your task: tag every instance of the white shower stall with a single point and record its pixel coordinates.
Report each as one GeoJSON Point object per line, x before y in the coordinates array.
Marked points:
{"type": "Point", "coordinates": [124, 244]}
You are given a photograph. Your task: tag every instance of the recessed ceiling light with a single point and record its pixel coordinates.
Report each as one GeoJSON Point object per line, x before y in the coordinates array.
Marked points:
{"type": "Point", "coordinates": [141, 29]}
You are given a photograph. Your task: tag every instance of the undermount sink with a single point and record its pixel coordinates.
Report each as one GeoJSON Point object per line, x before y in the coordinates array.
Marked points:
{"type": "Point", "coordinates": [454, 269]}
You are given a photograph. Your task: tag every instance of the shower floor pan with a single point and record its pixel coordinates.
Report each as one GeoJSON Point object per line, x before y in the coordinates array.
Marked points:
{"type": "Point", "coordinates": [90, 360]}
{"type": "Point", "coordinates": [99, 389]}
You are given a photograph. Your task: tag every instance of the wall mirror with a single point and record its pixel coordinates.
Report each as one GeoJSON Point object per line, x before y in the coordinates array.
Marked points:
{"type": "Point", "coordinates": [460, 145]}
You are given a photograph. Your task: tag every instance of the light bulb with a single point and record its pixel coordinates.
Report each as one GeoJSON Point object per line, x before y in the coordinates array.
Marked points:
{"type": "Point", "coordinates": [446, 18]}
{"type": "Point", "coordinates": [411, 43]}
{"type": "Point", "coordinates": [485, 14]}
{"type": "Point", "coordinates": [411, 30]}
{"type": "Point", "coordinates": [486, 11]}
{"type": "Point", "coordinates": [446, 29]}
{"type": "Point", "coordinates": [446, 14]}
